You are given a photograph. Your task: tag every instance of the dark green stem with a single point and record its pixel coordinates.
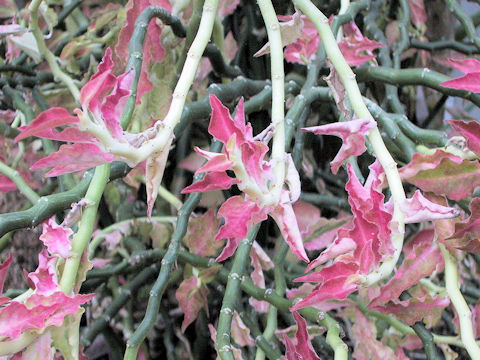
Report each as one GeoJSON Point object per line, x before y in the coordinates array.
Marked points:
{"type": "Point", "coordinates": [232, 295]}
{"type": "Point", "coordinates": [168, 261]}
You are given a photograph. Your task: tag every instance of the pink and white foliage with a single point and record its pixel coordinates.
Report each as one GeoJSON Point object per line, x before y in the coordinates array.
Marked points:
{"type": "Point", "coordinates": [245, 156]}
{"type": "Point", "coordinates": [419, 209]}
{"type": "Point", "coordinates": [352, 134]}
{"type": "Point", "coordinates": [470, 81]}
{"type": "Point", "coordinates": [56, 238]}
{"type": "Point", "coordinates": [44, 279]}
{"type": "Point", "coordinates": [370, 233]}
{"type": "Point", "coordinates": [302, 347]}
{"type": "Point", "coordinates": [47, 306]}
{"type": "Point", "coordinates": [362, 244]}
{"type": "Point", "coordinates": [104, 97]}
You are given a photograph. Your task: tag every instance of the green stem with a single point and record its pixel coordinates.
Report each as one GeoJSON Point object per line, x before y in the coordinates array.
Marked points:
{"type": "Point", "coordinates": [43, 49]}
{"type": "Point", "coordinates": [135, 49]}
{"type": "Point", "coordinates": [423, 77]}
{"type": "Point", "coordinates": [232, 295]}
{"type": "Point", "coordinates": [168, 261]}
{"type": "Point", "coordinates": [22, 186]}
{"type": "Point", "coordinates": [85, 229]}
{"type": "Point", "coordinates": [465, 20]}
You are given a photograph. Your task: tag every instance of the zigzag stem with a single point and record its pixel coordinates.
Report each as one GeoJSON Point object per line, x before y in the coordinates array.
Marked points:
{"type": "Point", "coordinates": [168, 261]}
{"type": "Point", "coordinates": [388, 163]}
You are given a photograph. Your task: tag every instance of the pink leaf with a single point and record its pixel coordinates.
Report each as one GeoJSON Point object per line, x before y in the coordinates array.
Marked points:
{"type": "Point", "coordinates": [443, 174]}
{"type": "Point", "coordinates": [115, 103]}
{"type": "Point", "coordinates": [422, 258]}
{"type": "Point", "coordinates": [416, 309]}
{"type": "Point", "coordinates": [3, 270]}
{"type": "Point", "coordinates": [336, 282]}
{"type": "Point", "coordinates": [191, 298]}
{"type": "Point", "coordinates": [211, 182]}
{"type": "Point", "coordinates": [367, 347]}
{"type": "Point", "coordinates": [152, 49]}
{"type": "Point", "coordinates": [44, 279]}
{"type": "Point", "coordinates": [303, 49]}
{"type": "Point", "coordinates": [470, 130]}
{"type": "Point", "coordinates": [470, 81]}
{"type": "Point", "coordinates": [240, 332]}
{"type": "Point", "coordinates": [339, 247]}
{"type": "Point", "coordinates": [356, 48]}
{"type": "Point", "coordinates": [56, 238]}
{"type": "Point", "coordinates": [352, 134]}
{"type": "Point", "coordinates": [240, 215]}
{"type": "Point", "coordinates": [72, 158]}
{"type": "Point", "coordinates": [94, 91]}
{"type": "Point", "coordinates": [216, 162]}
{"type": "Point", "coordinates": [47, 120]}
{"type": "Point", "coordinates": [420, 209]}
{"type": "Point", "coordinates": [38, 312]}
{"type": "Point", "coordinates": [12, 29]}
{"type": "Point", "coordinates": [417, 12]}
{"type": "Point", "coordinates": [200, 238]}
{"type": "Point", "coordinates": [469, 228]}
{"type": "Point", "coordinates": [260, 262]}
{"type": "Point", "coordinates": [6, 184]}
{"type": "Point", "coordinates": [302, 348]}
{"type": "Point", "coordinates": [287, 223]}
{"type": "Point", "coordinates": [223, 127]}
{"type": "Point", "coordinates": [69, 134]}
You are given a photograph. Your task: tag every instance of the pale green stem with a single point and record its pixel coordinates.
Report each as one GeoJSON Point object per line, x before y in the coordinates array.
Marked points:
{"type": "Point", "coordinates": [47, 54]}
{"type": "Point", "coordinates": [185, 81]}
{"type": "Point", "coordinates": [85, 228]}
{"type": "Point", "coordinates": [388, 163]}
{"type": "Point", "coordinates": [278, 98]}
{"type": "Point", "coordinates": [344, 4]}
{"type": "Point", "coordinates": [218, 35]}
{"type": "Point", "coordinates": [17, 179]}
{"type": "Point", "coordinates": [269, 331]}
{"type": "Point", "coordinates": [169, 197]}
{"type": "Point", "coordinates": [13, 346]}
{"type": "Point", "coordinates": [121, 225]}
{"type": "Point", "coordinates": [452, 283]}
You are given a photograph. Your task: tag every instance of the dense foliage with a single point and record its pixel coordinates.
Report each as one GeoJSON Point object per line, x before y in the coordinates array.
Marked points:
{"type": "Point", "coordinates": [186, 179]}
